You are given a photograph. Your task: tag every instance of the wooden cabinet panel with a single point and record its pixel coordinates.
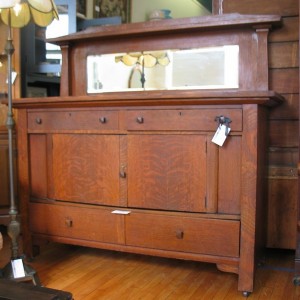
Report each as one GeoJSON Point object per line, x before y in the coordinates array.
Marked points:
{"type": "Point", "coordinates": [230, 160]}
{"type": "Point", "coordinates": [181, 119]}
{"type": "Point", "coordinates": [77, 222]}
{"type": "Point", "coordinates": [215, 237]}
{"type": "Point", "coordinates": [167, 172]}
{"type": "Point", "coordinates": [73, 120]}
{"type": "Point", "coordinates": [38, 165]}
{"type": "Point", "coordinates": [85, 168]}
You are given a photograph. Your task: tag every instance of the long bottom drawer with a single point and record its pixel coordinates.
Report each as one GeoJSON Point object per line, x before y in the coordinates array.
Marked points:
{"type": "Point", "coordinates": [78, 221]}
{"type": "Point", "coordinates": [187, 234]}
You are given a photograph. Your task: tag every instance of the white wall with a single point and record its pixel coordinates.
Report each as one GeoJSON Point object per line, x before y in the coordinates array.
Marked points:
{"type": "Point", "coordinates": [140, 9]}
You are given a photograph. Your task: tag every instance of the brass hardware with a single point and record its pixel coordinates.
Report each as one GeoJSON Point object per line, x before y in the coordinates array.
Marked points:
{"type": "Point", "coordinates": [69, 222]}
{"type": "Point", "coordinates": [38, 121]}
{"type": "Point", "coordinates": [103, 120]}
{"type": "Point", "coordinates": [179, 234]}
{"type": "Point", "coordinates": [140, 120]}
{"type": "Point", "coordinates": [222, 120]}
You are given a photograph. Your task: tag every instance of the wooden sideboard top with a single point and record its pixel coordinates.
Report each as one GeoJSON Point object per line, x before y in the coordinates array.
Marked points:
{"type": "Point", "coordinates": [211, 22]}
{"type": "Point", "coordinates": [158, 98]}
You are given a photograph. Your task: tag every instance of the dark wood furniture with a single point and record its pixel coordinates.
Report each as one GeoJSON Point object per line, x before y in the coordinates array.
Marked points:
{"type": "Point", "coordinates": [136, 171]}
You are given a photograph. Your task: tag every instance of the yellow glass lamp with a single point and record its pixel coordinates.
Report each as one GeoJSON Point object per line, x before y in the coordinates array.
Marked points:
{"type": "Point", "coordinates": [17, 14]}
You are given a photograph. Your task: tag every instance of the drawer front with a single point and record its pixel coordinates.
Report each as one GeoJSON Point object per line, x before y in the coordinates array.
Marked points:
{"type": "Point", "coordinates": [78, 222]}
{"type": "Point", "coordinates": [187, 234]}
{"type": "Point", "coordinates": [73, 120]}
{"type": "Point", "coordinates": [201, 119]}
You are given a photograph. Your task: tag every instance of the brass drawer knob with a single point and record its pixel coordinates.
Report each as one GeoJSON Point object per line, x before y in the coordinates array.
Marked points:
{"type": "Point", "coordinates": [140, 120]}
{"type": "Point", "coordinates": [103, 120]}
{"type": "Point", "coordinates": [38, 121]}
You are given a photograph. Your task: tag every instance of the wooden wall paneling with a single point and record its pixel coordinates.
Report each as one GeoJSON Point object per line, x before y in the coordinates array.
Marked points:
{"type": "Point", "coordinates": [284, 8]}
{"type": "Point", "coordinates": [297, 227]}
{"type": "Point", "coordinates": [282, 213]}
{"type": "Point", "coordinates": [288, 110]}
{"type": "Point", "coordinates": [284, 81]}
{"type": "Point", "coordinates": [283, 133]}
{"type": "Point", "coordinates": [284, 55]}
{"type": "Point", "coordinates": [289, 31]}
{"type": "Point", "coordinates": [283, 156]}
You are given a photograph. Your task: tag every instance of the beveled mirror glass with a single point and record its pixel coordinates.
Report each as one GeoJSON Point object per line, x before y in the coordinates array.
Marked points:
{"type": "Point", "coordinates": [202, 68]}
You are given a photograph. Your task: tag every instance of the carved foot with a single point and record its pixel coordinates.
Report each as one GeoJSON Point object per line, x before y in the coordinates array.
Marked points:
{"type": "Point", "coordinates": [228, 268]}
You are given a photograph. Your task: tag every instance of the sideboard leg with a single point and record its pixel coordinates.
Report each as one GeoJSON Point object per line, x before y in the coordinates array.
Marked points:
{"type": "Point", "coordinates": [246, 294]}
{"type": "Point", "coordinates": [296, 280]}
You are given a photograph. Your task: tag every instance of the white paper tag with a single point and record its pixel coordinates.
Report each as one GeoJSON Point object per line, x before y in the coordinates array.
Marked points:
{"type": "Point", "coordinates": [220, 135]}
{"type": "Point", "coordinates": [18, 268]}
{"type": "Point", "coordinates": [121, 212]}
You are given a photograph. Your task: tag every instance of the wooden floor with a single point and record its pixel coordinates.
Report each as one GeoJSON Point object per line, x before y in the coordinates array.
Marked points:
{"type": "Point", "coordinates": [98, 274]}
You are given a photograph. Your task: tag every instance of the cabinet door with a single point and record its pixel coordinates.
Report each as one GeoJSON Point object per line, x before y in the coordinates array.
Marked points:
{"type": "Point", "coordinates": [167, 172]}
{"type": "Point", "coordinates": [85, 168]}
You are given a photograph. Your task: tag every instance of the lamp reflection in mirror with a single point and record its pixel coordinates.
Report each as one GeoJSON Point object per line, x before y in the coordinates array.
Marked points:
{"type": "Point", "coordinates": [17, 14]}
{"type": "Point", "coordinates": [145, 60]}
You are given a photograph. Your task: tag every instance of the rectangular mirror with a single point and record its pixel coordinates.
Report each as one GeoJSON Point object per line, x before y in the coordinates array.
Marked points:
{"type": "Point", "coordinates": [202, 68]}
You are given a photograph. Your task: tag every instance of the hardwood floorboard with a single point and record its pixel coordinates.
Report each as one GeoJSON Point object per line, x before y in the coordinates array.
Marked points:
{"type": "Point", "coordinates": [94, 274]}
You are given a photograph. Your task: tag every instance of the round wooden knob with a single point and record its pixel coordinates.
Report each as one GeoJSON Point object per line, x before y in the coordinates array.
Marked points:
{"type": "Point", "coordinates": [69, 222]}
{"type": "Point", "coordinates": [38, 121]}
{"type": "Point", "coordinates": [140, 120]}
{"type": "Point", "coordinates": [179, 234]}
{"type": "Point", "coordinates": [103, 120]}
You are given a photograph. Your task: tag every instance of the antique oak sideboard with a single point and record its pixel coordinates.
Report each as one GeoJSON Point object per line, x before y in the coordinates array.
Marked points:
{"type": "Point", "coordinates": [124, 158]}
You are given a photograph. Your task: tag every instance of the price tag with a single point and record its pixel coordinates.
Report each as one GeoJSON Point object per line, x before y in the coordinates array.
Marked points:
{"type": "Point", "coordinates": [221, 135]}
{"type": "Point", "coordinates": [18, 268]}
{"type": "Point", "coordinates": [121, 212]}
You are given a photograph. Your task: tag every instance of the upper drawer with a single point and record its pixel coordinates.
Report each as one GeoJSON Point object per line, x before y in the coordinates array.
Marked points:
{"type": "Point", "coordinates": [73, 120]}
{"type": "Point", "coordinates": [198, 119]}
